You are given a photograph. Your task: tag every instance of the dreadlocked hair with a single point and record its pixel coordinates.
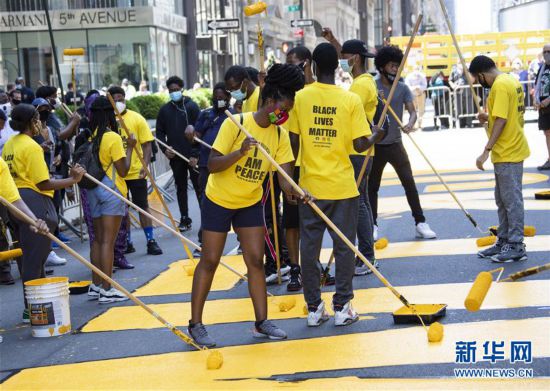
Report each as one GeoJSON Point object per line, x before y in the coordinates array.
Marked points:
{"type": "Point", "coordinates": [388, 54]}
{"type": "Point", "coordinates": [102, 120]}
{"type": "Point", "coordinates": [282, 81]}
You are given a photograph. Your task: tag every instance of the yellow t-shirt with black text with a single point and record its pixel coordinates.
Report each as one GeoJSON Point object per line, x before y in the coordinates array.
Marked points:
{"type": "Point", "coordinates": [111, 150]}
{"type": "Point", "coordinates": [328, 119]}
{"type": "Point", "coordinates": [506, 100]}
{"type": "Point", "coordinates": [8, 189]}
{"type": "Point", "coordinates": [137, 125]}
{"type": "Point", "coordinates": [25, 159]}
{"type": "Point", "coordinates": [251, 104]}
{"type": "Point", "coordinates": [365, 86]}
{"type": "Point", "coordinates": [240, 185]}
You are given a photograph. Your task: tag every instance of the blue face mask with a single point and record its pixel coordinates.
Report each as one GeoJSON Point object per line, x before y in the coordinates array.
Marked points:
{"type": "Point", "coordinates": [238, 95]}
{"type": "Point", "coordinates": [344, 64]}
{"type": "Point", "coordinates": [176, 96]}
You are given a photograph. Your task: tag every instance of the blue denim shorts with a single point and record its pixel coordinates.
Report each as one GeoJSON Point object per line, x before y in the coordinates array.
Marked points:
{"type": "Point", "coordinates": [103, 203]}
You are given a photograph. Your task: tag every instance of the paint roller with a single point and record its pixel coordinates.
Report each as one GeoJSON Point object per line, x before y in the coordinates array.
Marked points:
{"type": "Point", "coordinates": [479, 289]}
{"type": "Point", "coordinates": [214, 359]}
{"type": "Point", "coordinates": [528, 230]}
{"type": "Point", "coordinates": [255, 9]}
{"type": "Point", "coordinates": [381, 243]}
{"type": "Point", "coordinates": [10, 254]}
{"type": "Point", "coordinates": [73, 52]}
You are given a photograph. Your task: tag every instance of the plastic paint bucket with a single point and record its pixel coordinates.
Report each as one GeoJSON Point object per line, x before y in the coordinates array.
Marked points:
{"type": "Point", "coordinates": [48, 304]}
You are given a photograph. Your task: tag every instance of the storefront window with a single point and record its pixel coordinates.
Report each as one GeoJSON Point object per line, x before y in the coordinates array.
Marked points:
{"type": "Point", "coordinates": [9, 67]}
{"type": "Point", "coordinates": [117, 54]}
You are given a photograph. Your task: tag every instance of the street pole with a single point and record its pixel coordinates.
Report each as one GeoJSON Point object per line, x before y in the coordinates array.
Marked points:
{"type": "Point", "coordinates": [303, 39]}
{"type": "Point", "coordinates": [54, 50]}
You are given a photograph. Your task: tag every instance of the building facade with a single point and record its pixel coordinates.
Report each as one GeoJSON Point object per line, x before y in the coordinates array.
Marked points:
{"type": "Point", "coordinates": [520, 15]}
{"type": "Point", "coordinates": [133, 39]}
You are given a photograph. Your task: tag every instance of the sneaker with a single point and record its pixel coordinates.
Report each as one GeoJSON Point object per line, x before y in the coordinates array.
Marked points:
{"type": "Point", "coordinates": [55, 246]}
{"type": "Point", "coordinates": [424, 231]}
{"type": "Point", "coordinates": [26, 318]}
{"type": "Point", "coordinates": [317, 316]}
{"type": "Point", "coordinates": [285, 268]}
{"type": "Point", "coordinates": [271, 276]}
{"type": "Point", "coordinates": [113, 295]}
{"type": "Point", "coordinates": [6, 279]}
{"type": "Point", "coordinates": [295, 283]}
{"type": "Point", "coordinates": [344, 316]}
{"type": "Point", "coordinates": [153, 248]}
{"type": "Point", "coordinates": [267, 329]}
{"type": "Point", "coordinates": [196, 253]}
{"type": "Point", "coordinates": [200, 335]}
{"type": "Point", "coordinates": [55, 260]}
{"type": "Point", "coordinates": [375, 232]}
{"type": "Point", "coordinates": [361, 269]}
{"type": "Point", "coordinates": [545, 166]}
{"type": "Point", "coordinates": [129, 248]}
{"type": "Point", "coordinates": [510, 253]}
{"type": "Point", "coordinates": [185, 224]}
{"type": "Point", "coordinates": [123, 264]}
{"type": "Point", "coordinates": [93, 291]}
{"type": "Point", "coordinates": [63, 238]}
{"type": "Point", "coordinates": [330, 281]}
{"type": "Point", "coordinates": [493, 250]}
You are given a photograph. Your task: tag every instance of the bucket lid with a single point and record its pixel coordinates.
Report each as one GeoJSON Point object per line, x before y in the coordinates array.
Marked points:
{"type": "Point", "coordinates": [46, 281]}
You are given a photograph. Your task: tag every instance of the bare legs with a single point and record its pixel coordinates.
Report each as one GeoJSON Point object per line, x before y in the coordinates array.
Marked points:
{"type": "Point", "coordinates": [102, 253]}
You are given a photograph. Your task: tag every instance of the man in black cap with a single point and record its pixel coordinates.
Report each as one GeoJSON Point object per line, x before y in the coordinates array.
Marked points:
{"type": "Point", "coordinates": [27, 94]}
{"type": "Point", "coordinates": [353, 60]}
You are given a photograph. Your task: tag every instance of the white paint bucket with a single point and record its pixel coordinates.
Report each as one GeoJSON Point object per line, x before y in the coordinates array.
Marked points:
{"type": "Point", "coordinates": [48, 304]}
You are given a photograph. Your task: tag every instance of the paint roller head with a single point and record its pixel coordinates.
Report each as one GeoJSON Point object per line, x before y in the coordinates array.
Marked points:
{"type": "Point", "coordinates": [214, 360]}
{"type": "Point", "coordinates": [305, 310]}
{"type": "Point", "coordinates": [73, 52]}
{"type": "Point", "coordinates": [10, 254]}
{"type": "Point", "coordinates": [381, 243]}
{"type": "Point", "coordinates": [255, 9]}
{"type": "Point", "coordinates": [478, 291]}
{"type": "Point", "coordinates": [190, 270]}
{"type": "Point", "coordinates": [529, 230]}
{"type": "Point", "coordinates": [287, 303]}
{"type": "Point", "coordinates": [486, 241]}
{"type": "Point", "coordinates": [435, 332]}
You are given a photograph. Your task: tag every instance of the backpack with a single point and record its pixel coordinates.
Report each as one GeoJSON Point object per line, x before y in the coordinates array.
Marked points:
{"type": "Point", "coordinates": [85, 156]}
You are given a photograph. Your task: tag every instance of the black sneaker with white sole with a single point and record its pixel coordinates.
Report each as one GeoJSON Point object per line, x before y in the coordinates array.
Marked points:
{"type": "Point", "coordinates": [295, 283]}
{"type": "Point", "coordinates": [153, 248]}
{"type": "Point", "coordinates": [199, 334]}
{"type": "Point", "coordinates": [113, 295]}
{"type": "Point", "coordinates": [266, 329]}
{"type": "Point", "coordinates": [361, 269]}
{"type": "Point", "coordinates": [185, 224]}
{"type": "Point", "coordinates": [271, 276]}
{"type": "Point", "coordinates": [493, 250]}
{"type": "Point", "coordinates": [511, 253]}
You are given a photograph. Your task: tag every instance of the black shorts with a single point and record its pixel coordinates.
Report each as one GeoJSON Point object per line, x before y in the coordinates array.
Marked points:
{"type": "Point", "coordinates": [137, 189]}
{"type": "Point", "coordinates": [544, 119]}
{"type": "Point", "coordinates": [216, 218]}
{"type": "Point", "coordinates": [291, 218]}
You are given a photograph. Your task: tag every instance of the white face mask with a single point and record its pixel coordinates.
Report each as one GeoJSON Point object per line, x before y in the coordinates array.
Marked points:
{"type": "Point", "coordinates": [121, 106]}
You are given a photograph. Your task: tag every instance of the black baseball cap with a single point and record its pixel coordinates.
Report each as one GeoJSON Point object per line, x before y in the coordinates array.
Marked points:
{"type": "Point", "coordinates": [356, 46]}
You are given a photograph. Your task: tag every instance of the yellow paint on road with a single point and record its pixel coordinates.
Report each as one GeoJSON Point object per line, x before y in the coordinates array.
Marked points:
{"type": "Point", "coordinates": [472, 200]}
{"type": "Point", "coordinates": [375, 300]}
{"type": "Point", "coordinates": [405, 346]}
{"type": "Point", "coordinates": [425, 248]}
{"type": "Point", "coordinates": [528, 179]}
{"type": "Point", "coordinates": [448, 178]}
{"type": "Point", "coordinates": [176, 281]}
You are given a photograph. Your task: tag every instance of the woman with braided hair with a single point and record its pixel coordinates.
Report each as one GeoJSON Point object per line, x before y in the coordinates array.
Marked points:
{"type": "Point", "coordinates": [233, 196]}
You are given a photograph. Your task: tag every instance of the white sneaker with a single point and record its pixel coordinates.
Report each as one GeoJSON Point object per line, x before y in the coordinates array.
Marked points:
{"type": "Point", "coordinates": [55, 260]}
{"type": "Point", "coordinates": [318, 317]}
{"type": "Point", "coordinates": [346, 316]}
{"type": "Point", "coordinates": [375, 232]}
{"type": "Point", "coordinates": [424, 231]}
{"type": "Point", "coordinates": [285, 269]}
{"type": "Point", "coordinates": [111, 296]}
{"type": "Point", "coordinates": [93, 291]}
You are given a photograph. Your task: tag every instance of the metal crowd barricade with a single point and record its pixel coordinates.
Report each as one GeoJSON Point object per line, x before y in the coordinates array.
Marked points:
{"type": "Point", "coordinates": [528, 87]}
{"type": "Point", "coordinates": [71, 210]}
{"type": "Point", "coordinates": [463, 103]}
{"type": "Point", "coordinates": [442, 102]}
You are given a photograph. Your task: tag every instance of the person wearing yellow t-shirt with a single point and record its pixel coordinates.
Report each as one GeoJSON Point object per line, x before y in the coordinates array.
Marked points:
{"type": "Point", "coordinates": [135, 180]}
{"type": "Point", "coordinates": [242, 88]}
{"type": "Point", "coordinates": [508, 148]}
{"type": "Point", "coordinates": [106, 209]}
{"type": "Point", "coordinates": [331, 125]}
{"type": "Point", "coordinates": [233, 197]}
{"type": "Point", "coordinates": [354, 55]}
{"type": "Point", "coordinates": [25, 159]}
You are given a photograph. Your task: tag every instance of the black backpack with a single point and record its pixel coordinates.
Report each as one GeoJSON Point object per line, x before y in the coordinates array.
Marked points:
{"type": "Point", "coordinates": [85, 156]}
